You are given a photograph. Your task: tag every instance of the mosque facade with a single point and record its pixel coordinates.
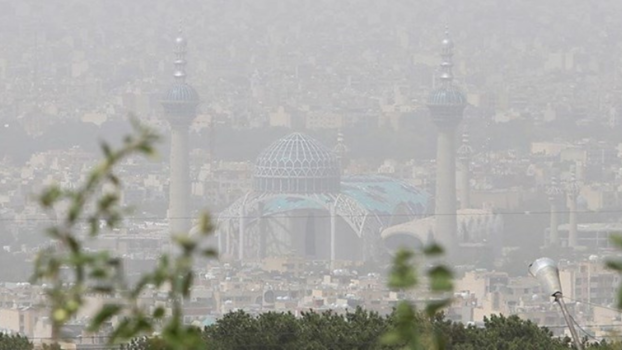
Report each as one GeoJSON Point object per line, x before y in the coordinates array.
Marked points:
{"type": "Point", "coordinates": [302, 205]}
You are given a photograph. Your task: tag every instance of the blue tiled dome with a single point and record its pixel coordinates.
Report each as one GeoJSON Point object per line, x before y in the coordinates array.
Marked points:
{"type": "Point", "coordinates": [181, 92]}
{"type": "Point", "coordinates": [297, 163]}
{"type": "Point", "coordinates": [180, 102]}
{"type": "Point", "coordinates": [447, 96]}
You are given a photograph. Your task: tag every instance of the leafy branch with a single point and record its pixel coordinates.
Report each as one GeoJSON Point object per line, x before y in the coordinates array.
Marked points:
{"type": "Point", "coordinates": [408, 329]}
{"type": "Point", "coordinates": [72, 272]}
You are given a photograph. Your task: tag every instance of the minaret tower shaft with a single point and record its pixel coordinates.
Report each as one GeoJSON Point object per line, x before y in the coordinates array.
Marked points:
{"type": "Point", "coordinates": [446, 106]}
{"type": "Point", "coordinates": [573, 189]}
{"type": "Point", "coordinates": [555, 195]}
{"type": "Point", "coordinates": [180, 103]}
{"type": "Point", "coordinates": [464, 157]}
{"type": "Point", "coordinates": [341, 152]}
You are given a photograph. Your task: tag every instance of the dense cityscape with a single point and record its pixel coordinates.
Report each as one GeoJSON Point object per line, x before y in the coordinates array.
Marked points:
{"type": "Point", "coordinates": [321, 137]}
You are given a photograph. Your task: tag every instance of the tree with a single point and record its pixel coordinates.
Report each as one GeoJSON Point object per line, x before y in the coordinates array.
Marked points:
{"type": "Point", "coordinates": [14, 342]}
{"type": "Point", "coordinates": [510, 333]}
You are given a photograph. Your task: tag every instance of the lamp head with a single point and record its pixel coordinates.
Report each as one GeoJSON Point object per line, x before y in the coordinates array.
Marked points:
{"type": "Point", "coordinates": [545, 270]}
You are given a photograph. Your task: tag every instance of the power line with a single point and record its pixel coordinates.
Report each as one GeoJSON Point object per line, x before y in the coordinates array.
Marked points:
{"type": "Point", "coordinates": [581, 328]}
{"type": "Point", "coordinates": [302, 216]}
{"type": "Point", "coordinates": [595, 305]}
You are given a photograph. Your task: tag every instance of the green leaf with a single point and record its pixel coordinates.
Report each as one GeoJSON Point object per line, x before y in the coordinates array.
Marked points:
{"type": "Point", "coordinates": [107, 312]}
{"type": "Point", "coordinates": [434, 307]}
{"type": "Point", "coordinates": [402, 274]}
{"type": "Point", "coordinates": [107, 201]}
{"type": "Point", "coordinates": [614, 265]}
{"type": "Point", "coordinates": [50, 196]}
{"type": "Point", "coordinates": [209, 253]}
{"type": "Point", "coordinates": [186, 283]}
{"type": "Point", "coordinates": [186, 242]}
{"type": "Point", "coordinates": [159, 312]}
{"type": "Point", "coordinates": [74, 212]}
{"type": "Point", "coordinates": [106, 150]}
{"type": "Point", "coordinates": [433, 250]}
{"type": "Point", "coordinates": [440, 279]}
{"type": "Point", "coordinates": [616, 239]}
{"type": "Point", "coordinates": [205, 224]}
{"type": "Point", "coordinates": [93, 225]}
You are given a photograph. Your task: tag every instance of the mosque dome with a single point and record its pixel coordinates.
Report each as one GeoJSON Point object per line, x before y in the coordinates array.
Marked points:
{"type": "Point", "coordinates": [297, 163]}
{"type": "Point", "coordinates": [447, 96]}
{"type": "Point", "coordinates": [180, 92]}
{"type": "Point", "coordinates": [180, 99]}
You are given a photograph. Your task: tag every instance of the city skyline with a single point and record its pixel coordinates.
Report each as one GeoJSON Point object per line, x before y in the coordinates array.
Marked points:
{"type": "Point", "coordinates": [322, 137]}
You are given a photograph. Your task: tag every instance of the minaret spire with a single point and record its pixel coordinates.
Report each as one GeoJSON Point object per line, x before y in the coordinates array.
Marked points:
{"type": "Point", "coordinates": [447, 53]}
{"type": "Point", "coordinates": [180, 57]}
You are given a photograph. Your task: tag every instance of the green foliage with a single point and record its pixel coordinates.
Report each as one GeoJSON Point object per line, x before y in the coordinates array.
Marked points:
{"type": "Point", "coordinates": [73, 272]}
{"type": "Point", "coordinates": [511, 333]}
{"type": "Point", "coordinates": [407, 327]}
{"type": "Point", "coordinates": [14, 342]}
{"type": "Point", "coordinates": [360, 329]}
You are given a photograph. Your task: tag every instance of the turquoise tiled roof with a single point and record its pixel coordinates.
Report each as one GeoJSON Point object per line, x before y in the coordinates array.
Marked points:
{"type": "Point", "coordinates": [381, 196]}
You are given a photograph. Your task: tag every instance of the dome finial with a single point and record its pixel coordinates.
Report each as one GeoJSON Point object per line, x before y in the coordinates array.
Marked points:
{"type": "Point", "coordinates": [447, 59]}
{"type": "Point", "coordinates": [180, 56]}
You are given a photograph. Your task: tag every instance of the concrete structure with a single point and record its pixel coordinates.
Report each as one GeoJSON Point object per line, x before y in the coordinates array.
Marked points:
{"type": "Point", "coordinates": [180, 102]}
{"type": "Point", "coordinates": [446, 106]}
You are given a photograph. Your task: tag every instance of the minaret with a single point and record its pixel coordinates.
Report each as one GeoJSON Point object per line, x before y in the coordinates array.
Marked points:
{"type": "Point", "coordinates": [341, 152]}
{"type": "Point", "coordinates": [180, 103]}
{"type": "Point", "coordinates": [555, 194]}
{"type": "Point", "coordinates": [446, 106]}
{"type": "Point", "coordinates": [464, 157]}
{"type": "Point", "coordinates": [572, 191]}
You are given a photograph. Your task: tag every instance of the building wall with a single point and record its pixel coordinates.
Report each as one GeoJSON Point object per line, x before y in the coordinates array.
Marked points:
{"type": "Point", "coordinates": [10, 320]}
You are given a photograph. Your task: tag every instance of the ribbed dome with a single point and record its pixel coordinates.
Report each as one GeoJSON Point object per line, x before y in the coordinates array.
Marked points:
{"type": "Point", "coordinates": [297, 163]}
{"type": "Point", "coordinates": [181, 92]}
{"type": "Point", "coordinates": [180, 100]}
{"type": "Point", "coordinates": [447, 96]}
{"type": "Point", "coordinates": [446, 106]}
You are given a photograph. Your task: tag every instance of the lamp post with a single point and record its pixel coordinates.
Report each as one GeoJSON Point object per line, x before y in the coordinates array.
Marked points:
{"type": "Point", "coordinates": [545, 270]}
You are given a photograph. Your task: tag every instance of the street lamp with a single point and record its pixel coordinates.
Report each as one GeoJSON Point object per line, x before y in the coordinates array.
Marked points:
{"type": "Point", "coordinates": [545, 270]}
